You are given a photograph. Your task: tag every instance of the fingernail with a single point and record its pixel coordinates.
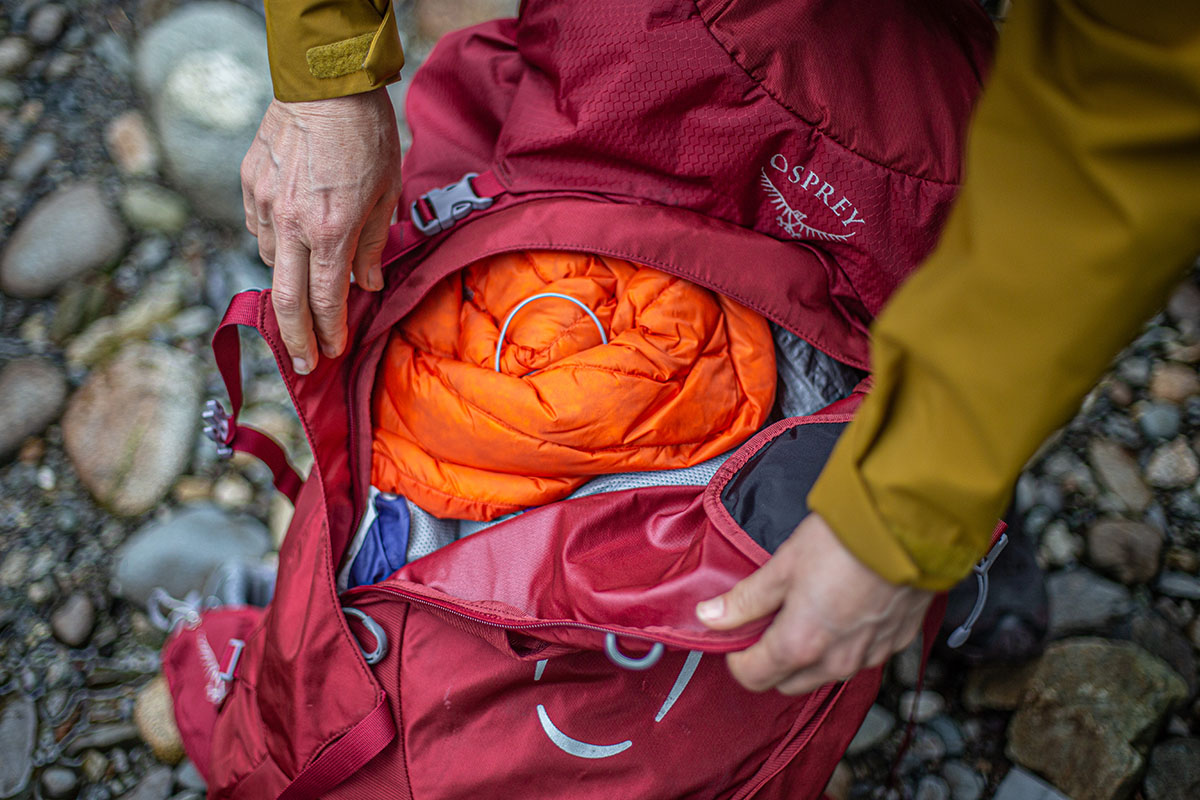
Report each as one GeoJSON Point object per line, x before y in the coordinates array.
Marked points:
{"type": "Point", "coordinates": [330, 351]}
{"type": "Point", "coordinates": [376, 279]}
{"type": "Point", "coordinates": [301, 366]}
{"type": "Point", "coordinates": [711, 610]}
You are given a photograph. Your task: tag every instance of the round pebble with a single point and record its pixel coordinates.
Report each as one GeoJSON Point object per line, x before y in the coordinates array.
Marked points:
{"type": "Point", "coordinates": [14, 54]}
{"type": "Point", "coordinates": [932, 787]}
{"type": "Point", "coordinates": [921, 707]}
{"type": "Point", "coordinates": [73, 622]}
{"type": "Point", "coordinates": [965, 783]}
{"type": "Point", "coordinates": [59, 783]}
{"type": "Point", "coordinates": [46, 24]}
{"type": "Point", "coordinates": [1160, 421]}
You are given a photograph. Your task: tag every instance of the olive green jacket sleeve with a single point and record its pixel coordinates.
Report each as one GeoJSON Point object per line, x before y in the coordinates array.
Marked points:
{"type": "Point", "coordinates": [1080, 210]}
{"type": "Point", "coordinates": [331, 48]}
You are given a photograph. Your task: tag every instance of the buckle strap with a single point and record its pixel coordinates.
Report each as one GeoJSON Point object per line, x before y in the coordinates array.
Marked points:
{"type": "Point", "coordinates": [438, 209]}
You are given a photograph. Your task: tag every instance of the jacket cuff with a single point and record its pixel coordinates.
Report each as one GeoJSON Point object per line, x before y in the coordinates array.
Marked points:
{"type": "Point", "coordinates": [841, 496]}
{"type": "Point", "coordinates": [316, 55]}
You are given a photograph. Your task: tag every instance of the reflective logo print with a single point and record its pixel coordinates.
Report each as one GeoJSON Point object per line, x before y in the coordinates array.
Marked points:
{"type": "Point", "coordinates": [581, 749]}
{"type": "Point", "coordinates": [574, 746]}
{"type": "Point", "coordinates": [792, 221]}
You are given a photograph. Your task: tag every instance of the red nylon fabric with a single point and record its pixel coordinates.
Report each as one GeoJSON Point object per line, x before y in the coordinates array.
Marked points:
{"type": "Point", "coordinates": [625, 129]}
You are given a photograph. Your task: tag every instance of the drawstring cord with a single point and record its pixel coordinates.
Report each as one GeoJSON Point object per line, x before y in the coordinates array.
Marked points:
{"type": "Point", "coordinates": [530, 299]}
{"type": "Point", "coordinates": [185, 610]}
{"type": "Point", "coordinates": [960, 635]}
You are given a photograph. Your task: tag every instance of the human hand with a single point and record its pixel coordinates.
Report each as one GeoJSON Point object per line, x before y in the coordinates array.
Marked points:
{"type": "Point", "coordinates": [319, 185]}
{"type": "Point", "coordinates": [835, 617]}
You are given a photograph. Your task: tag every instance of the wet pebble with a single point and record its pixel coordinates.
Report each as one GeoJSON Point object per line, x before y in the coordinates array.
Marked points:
{"type": "Point", "coordinates": [32, 392]}
{"type": "Point", "coordinates": [67, 234]}
{"type": "Point", "coordinates": [18, 731]}
{"type": "Point", "coordinates": [950, 734]}
{"type": "Point", "coordinates": [155, 719]}
{"type": "Point", "coordinates": [94, 765]}
{"type": "Point", "coordinates": [931, 787]}
{"type": "Point", "coordinates": [59, 783]}
{"type": "Point", "coordinates": [1081, 601]}
{"type": "Point", "coordinates": [1173, 465]}
{"type": "Point", "coordinates": [33, 158]}
{"type": "Point", "coordinates": [152, 208]}
{"type": "Point", "coordinates": [73, 622]}
{"type": "Point", "coordinates": [878, 723]}
{"type": "Point", "coordinates": [155, 785]}
{"type": "Point", "coordinates": [1179, 584]}
{"type": "Point", "coordinates": [1119, 472]}
{"type": "Point", "coordinates": [15, 53]}
{"type": "Point", "coordinates": [180, 553]}
{"type": "Point", "coordinates": [1059, 547]}
{"type": "Point", "coordinates": [131, 145]}
{"type": "Point", "coordinates": [1129, 551]}
{"type": "Point", "coordinates": [1174, 383]}
{"type": "Point", "coordinates": [189, 778]}
{"type": "Point", "coordinates": [965, 783]}
{"type": "Point", "coordinates": [922, 706]}
{"type": "Point", "coordinates": [102, 737]}
{"type": "Point", "coordinates": [10, 93]}
{"type": "Point", "coordinates": [146, 400]}
{"type": "Point", "coordinates": [1160, 421]}
{"type": "Point", "coordinates": [46, 24]}
{"type": "Point", "coordinates": [1174, 771]}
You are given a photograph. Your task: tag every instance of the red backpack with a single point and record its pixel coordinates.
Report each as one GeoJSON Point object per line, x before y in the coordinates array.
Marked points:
{"type": "Point", "coordinates": [796, 157]}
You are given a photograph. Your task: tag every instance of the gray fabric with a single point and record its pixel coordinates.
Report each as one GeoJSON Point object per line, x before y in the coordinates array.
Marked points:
{"type": "Point", "coordinates": [809, 380]}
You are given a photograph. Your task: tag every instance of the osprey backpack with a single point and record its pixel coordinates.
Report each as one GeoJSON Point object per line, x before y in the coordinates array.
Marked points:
{"type": "Point", "coordinates": [797, 157]}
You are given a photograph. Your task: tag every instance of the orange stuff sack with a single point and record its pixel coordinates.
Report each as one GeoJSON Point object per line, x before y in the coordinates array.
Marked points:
{"type": "Point", "coordinates": [686, 375]}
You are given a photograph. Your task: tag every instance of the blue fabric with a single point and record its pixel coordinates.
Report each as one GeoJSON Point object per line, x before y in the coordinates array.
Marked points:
{"type": "Point", "coordinates": [385, 545]}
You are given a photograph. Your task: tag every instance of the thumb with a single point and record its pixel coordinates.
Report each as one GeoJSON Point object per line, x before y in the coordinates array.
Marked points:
{"type": "Point", "coordinates": [756, 596]}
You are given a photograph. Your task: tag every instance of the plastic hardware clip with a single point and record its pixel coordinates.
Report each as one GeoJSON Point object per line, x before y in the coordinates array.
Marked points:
{"type": "Point", "coordinates": [448, 204]}
{"type": "Point", "coordinates": [216, 427]}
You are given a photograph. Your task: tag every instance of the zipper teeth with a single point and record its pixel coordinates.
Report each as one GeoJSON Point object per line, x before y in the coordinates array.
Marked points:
{"type": "Point", "coordinates": [517, 625]}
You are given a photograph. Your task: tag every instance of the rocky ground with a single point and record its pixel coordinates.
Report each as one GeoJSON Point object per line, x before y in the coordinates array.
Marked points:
{"type": "Point", "coordinates": [120, 136]}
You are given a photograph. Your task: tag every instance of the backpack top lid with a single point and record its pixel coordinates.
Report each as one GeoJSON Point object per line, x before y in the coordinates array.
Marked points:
{"type": "Point", "coordinates": [834, 127]}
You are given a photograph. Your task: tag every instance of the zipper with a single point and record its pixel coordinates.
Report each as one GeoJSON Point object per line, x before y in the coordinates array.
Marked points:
{"type": "Point", "coordinates": [499, 622]}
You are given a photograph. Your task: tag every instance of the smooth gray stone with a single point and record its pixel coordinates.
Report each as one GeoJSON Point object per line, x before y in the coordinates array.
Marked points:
{"type": "Point", "coordinates": [1081, 601]}
{"type": "Point", "coordinates": [67, 234]}
{"type": "Point", "coordinates": [1021, 785]}
{"type": "Point", "coordinates": [876, 726]}
{"type": "Point", "coordinates": [204, 69]}
{"type": "Point", "coordinates": [1174, 772]}
{"type": "Point", "coordinates": [18, 729]}
{"type": "Point", "coordinates": [179, 554]}
{"type": "Point", "coordinates": [156, 785]}
{"type": "Point", "coordinates": [32, 392]}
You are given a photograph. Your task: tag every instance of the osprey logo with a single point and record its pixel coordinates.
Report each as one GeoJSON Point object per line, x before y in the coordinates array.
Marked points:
{"type": "Point", "coordinates": [794, 222]}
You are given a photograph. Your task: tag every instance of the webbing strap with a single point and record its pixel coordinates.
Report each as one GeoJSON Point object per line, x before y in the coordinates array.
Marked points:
{"type": "Point", "coordinates": [345, 756]}
{"type": "Point", "coordinates": [405, 236]}
{"type": "Point", "coordinates": [245, 309]}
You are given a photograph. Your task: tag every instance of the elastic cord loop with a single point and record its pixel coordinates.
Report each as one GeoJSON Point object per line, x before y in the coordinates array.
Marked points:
{"type": "Point", "coordinates": [530, 299]}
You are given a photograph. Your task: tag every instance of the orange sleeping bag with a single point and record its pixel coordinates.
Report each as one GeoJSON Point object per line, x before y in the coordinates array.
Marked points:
{"type": "Point", "coordinates": [685, 375]}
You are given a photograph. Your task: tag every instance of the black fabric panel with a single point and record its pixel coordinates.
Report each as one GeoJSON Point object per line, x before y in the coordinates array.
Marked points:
{"type": "Point", "coordinates": [769, 495]}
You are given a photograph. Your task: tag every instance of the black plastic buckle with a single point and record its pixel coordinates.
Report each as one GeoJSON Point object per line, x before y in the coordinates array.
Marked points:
{"type": "Point", "coordinates": [216, 427]}
{"type": "Point", "coordinates": [448, 205]}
